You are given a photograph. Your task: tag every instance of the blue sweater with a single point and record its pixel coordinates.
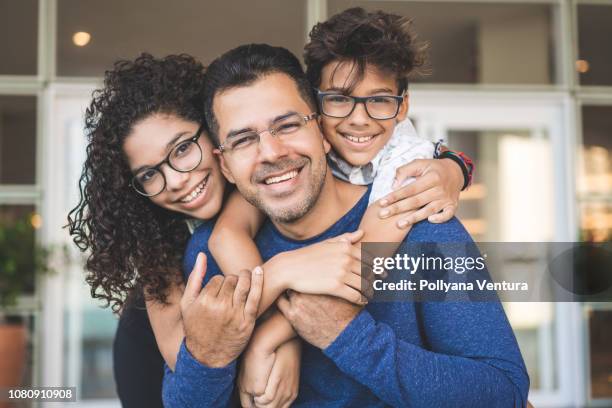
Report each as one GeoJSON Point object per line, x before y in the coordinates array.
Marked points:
{"type": "Point", "coordinates": [399, 354]}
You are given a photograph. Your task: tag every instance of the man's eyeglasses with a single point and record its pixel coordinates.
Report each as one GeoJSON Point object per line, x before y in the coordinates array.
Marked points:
{"type": "Point", "coordinates": [379, 107]}
{"type": "Point", "coordinates": [246, 142]}
{"type": "Point", "coordinates": [183, 157]}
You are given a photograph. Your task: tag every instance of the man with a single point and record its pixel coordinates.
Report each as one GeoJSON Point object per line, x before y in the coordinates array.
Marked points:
{"type": "Point", "coordinates": [386, 354]}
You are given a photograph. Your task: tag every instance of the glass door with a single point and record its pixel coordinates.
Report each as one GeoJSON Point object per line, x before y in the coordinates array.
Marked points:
{"type": "Point", "coordinates": [518, 194]}
{"type": "Point", "coordinates": [77, 349]}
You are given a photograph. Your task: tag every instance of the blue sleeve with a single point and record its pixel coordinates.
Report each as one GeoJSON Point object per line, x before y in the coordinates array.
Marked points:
{"type": "Point", "coordinates": [471, 356]}
{"type": "Point", "coordinates": [195, 385]}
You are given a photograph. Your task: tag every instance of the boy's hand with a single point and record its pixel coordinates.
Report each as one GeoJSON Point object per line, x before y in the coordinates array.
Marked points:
{"type": "Point", "coordinates": [434, 195]}
{"type": "Point", "coordinates": [331, 267]}
{"type": "Point", "coordinates": [220, 317]}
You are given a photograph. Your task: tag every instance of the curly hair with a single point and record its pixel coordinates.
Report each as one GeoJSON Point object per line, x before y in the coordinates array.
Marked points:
{"type": "Point", "coordinates": [377, 38]}
{"type": "Point", "coordinates": [132, 242]}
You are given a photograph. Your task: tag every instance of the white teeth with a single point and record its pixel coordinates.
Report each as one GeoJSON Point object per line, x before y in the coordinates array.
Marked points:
{"type": "Point", "coordinates": [358, 139]}
{"type": "Point", "coordinates": [282, 177]}
{"type": "Point", "coordinates": [195, 193]}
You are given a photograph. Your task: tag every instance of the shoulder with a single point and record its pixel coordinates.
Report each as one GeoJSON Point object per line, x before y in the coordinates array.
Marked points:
{"type": "Point", "coordinates": [197, 243]}
{"type": "Point", "coordinates": [450, 231]}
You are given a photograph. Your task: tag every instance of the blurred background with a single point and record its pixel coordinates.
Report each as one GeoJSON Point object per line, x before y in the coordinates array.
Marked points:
{"type": "Point", "coordinates": [523, 87]}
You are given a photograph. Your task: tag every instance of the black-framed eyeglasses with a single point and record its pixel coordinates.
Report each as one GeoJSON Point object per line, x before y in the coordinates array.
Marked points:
{"type": "Point", "coordinates": [245, 142]}
{"type": "Point", "coordinates": [337, 105]}
{"type": "Point", "coordinates": [184, 157]}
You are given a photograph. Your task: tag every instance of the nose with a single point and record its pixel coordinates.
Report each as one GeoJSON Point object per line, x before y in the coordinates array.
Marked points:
{"type": "Point", "coordinates": [359, 116]}
{"type": "Point", "coordinates": [175, 180]}
{"type": "Point", "coordinates": [271, 148]}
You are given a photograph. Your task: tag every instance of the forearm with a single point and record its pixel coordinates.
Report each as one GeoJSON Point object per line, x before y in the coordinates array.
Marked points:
{"type": "Point", "coordinates": [233, 250]}
{"type": "Point", "coordinates": [167, 325]}
{"type": "Point", "coordinates": [272, 333]}
{"type": "Point", "coordinates": [195, 385]}
{"type": "Point", "coordinates": [442, 376]}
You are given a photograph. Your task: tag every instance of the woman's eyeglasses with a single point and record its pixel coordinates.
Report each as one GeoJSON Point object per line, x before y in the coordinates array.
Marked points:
{"type": "Point", "coordinates": [184, 157]}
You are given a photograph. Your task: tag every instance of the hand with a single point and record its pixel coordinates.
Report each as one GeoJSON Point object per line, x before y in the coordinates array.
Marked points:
{"type": "Point", "coordinates": [281, 386]}
{"type": "Point", "coordinates": [436, 188]}
{"type": "Point", "coordinates": [284, 382]}
{"type": "Point", "coordinates": [219, 318]}
{"type": "Point", "coordinates": [318, 319]}
{"type": "Point", "coordinates": [331, 267]}
{"type": "Point", "coordinates": [255, 369]}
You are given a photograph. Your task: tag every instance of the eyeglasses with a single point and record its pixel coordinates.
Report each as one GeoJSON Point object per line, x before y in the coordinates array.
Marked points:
{"type": "Point", "coordinates": [379, 107]}
{"type": "Point", "coordinates": [246, 142]}
{"type": "Point", "coordinates": [184, 157]}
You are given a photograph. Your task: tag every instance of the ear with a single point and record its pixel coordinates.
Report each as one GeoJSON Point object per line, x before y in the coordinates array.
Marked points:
{"type": "Point", "coordinates": [326, 145]}
{"type": "Point", "coordinates": [403, 110]}
{"type": "Point", "coordinates": [223, 165]}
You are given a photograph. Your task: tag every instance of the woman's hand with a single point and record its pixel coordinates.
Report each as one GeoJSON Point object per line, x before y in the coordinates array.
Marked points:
{"type": "Point", "coordinates": [254, 373]}
{"type": "Point", "coordinates": [434, 195]}
{"type": "Point", "coordinates": [283, 384]}
{"type": "Point", "coordinates": [331, 267]}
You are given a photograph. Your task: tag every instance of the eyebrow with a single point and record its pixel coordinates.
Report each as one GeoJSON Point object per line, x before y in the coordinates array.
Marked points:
{"type": "Point", "coordinates": [168, 147]}
{"type": "Point", "coordinates": [234, 133]}
{"type": "Point", "coordinates": [345, 91]}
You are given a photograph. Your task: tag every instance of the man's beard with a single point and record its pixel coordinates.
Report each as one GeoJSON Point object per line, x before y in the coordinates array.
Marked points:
{"type": "Point", "coordinates": [295, 212]}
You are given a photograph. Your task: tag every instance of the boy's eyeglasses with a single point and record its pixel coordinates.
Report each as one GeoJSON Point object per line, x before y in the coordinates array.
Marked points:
{"type": "Point", "coordinates": [378, 107]}
{"type": "Point", "coordinates": [184, 157]}
{"type": "Point", "coordinates": [246, 142]}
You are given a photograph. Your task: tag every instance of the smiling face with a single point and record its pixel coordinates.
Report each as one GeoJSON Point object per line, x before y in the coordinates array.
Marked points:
{"type": "Point", "coordinates": [198, 193]}
{"type": "Point", "coordinates": [284, 175]}
{"type": "Point", "coordinates": [358, 138]}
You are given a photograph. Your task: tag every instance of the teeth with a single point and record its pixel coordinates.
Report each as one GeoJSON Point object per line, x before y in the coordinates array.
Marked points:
{"type": "Point", "coordinates": [282, 177]}
{"type": "Point", "coordinates": [195, 193]}
{"type": "Point", "coordinates": [359, 139]}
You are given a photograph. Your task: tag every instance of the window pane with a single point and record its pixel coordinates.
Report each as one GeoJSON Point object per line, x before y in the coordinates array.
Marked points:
{"type": "Point", "coordinates": [600, 338]}
{"type": "Point", "coordinates": [18, 37]}
{"type": "Point", "coordinates": [533, 326]}
{"type": "Point", "coordinates": [595, 174]}
{"type": "Point", "coordinates": [494, 208]}
{"type": "Point", "coordinates": [594, 33]}
{"type": "Point", "coordinates": [89, 331]}
{"type": "Point", "coordinates": [478, 42]}
{"type": "Point", "coordinates": [16, 249]}
{"type": "Point", "coordinates": [17, 139]}
{"type": "Point", "coordinates": [204, 29]}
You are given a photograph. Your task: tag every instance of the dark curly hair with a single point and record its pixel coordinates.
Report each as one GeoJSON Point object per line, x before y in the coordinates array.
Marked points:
{"type": "Point", "coordinates": [132, 242]}
{"type": "Point", "coordinates": [377, 38]}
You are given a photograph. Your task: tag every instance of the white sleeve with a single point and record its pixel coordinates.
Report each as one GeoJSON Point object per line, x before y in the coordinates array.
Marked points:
{"type": "Point", "coordinates": [403, 147]}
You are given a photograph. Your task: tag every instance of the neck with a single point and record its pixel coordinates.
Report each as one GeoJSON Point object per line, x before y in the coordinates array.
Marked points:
{"type": "Point", "coordinates": [335, 200]}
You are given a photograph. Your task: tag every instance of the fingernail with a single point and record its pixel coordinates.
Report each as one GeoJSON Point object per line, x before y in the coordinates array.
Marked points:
{"type": "Point", "coordinates": [402, 224]}
{"type": "Point", "coordinates": [384, 213]}
{"type": "Point", "coordinates": [258, 270]}
{"type": "Point", "coordinates": [384, 202]}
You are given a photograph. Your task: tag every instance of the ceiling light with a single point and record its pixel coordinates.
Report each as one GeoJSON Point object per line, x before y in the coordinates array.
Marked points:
{"type": "Point", "coordinates": [81, 38]}
{"type": "Point", "coordinates": [582, 66]}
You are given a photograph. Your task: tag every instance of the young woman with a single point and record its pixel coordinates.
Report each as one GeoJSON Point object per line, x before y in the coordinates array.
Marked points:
{"type": "Point", "coordinates": [150, 170]}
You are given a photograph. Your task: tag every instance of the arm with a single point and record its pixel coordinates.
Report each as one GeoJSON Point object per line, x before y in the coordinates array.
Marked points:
{"type": "Point", "coordinates": [472, 357]}
{"type": "Point", "coordinates": [219, 320]}
{"type": "Point", "coordinates": [167, 324]}
{"type": "Point", "coordinates": [236, 228]}
{"type": "Point", "coordinates": [260, 355]}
